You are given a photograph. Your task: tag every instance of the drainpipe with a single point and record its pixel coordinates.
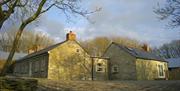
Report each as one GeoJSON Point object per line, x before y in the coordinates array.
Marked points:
{"type": "Point", "coordinates": [92, 69]}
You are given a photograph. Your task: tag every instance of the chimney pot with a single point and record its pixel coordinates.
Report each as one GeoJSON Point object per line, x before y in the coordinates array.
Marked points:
{"type": "Point", "coordinates": [71, 36]}
{"type": "Point", "coordinates": [146, 47]}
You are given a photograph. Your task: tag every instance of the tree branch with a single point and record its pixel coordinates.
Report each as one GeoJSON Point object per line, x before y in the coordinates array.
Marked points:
{"type": "Point", "coordinates": [4, 2]}
{"type": "Point", "coordinates": [22, 5]}
{"type": "Point", "coordinates": [37, 13]}
{"type": "Point", "coordinates": [48, 8]}
{"type": "Point", "coordinates": [11, 9]}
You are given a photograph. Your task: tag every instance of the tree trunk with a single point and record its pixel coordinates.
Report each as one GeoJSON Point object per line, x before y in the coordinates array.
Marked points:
{"type": "Point", "coordinates": [14, 47]}
{"type": "Point", "coordinates": [1, 17]}
{"type": "Point", "coordinates": [18, 35]}
{"type": "Point", "coordinates": [1, 23]}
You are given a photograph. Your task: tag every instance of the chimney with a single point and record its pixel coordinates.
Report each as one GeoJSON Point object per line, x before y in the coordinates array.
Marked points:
{"type": "Point", "coordinates": [146, 47]}
{"type": "Point", "coordinates": [35, 48]}
{"type": "Point", "coordinates": [30, 51]}
{"type": "Point", "coordinates": [71, 36]}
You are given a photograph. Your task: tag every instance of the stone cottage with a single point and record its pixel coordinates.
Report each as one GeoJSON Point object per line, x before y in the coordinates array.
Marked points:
{"type": "Point", "coordinates": [63, 61]}
{"type": "Point", "coordinates": [174, 68]}
{"type": "Point", "coordinates": [133, 64]}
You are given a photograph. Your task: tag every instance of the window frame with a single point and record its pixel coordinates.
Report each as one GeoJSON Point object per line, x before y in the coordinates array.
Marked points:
{"type": "Point", "coordinates": [100, 67]}
{"type": "Point", "coordinates": [161, 73]}
{"type": "Point", "coordinates": [43, 64]}
{"type": "Point", "coordinates": [36, 66]}
{"type": "Point", "coordinates": [117, 69]}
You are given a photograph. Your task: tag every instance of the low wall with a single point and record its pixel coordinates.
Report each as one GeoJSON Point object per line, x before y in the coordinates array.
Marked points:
{"type": "Point", "coordinates": [17, 84]}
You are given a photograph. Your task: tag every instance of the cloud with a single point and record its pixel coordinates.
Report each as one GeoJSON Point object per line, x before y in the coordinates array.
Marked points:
{"type": "Point", "coordinates": [52, 28]}
{"type": "Point", "coordinates": [128, 18]}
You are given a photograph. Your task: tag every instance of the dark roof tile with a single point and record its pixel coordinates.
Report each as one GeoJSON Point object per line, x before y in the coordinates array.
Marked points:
{"type": "Point", "coordinates": [42, 51]}
{"type": "Point", "coordinates": [173, 62]}
{"type": "Point", "coordinates": [140, 53]}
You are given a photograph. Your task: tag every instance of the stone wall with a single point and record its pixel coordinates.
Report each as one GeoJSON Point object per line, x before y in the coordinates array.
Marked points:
{"type": "Point", "coordinates": [17, 84]}
{"type": "Point", "coordinates": [148, 69]}
{"type": "Point", "coordinates": [69, 61]}
{"type": "Point", "coordinates": [124, 61]}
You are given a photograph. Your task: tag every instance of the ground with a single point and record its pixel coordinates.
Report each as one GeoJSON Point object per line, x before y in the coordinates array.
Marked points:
{"type": "Point", "coordinates": [49, 85]}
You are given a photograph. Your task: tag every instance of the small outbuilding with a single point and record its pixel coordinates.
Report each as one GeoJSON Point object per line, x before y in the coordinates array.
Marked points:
{"type": "Point", "coordinates": [127, 63]}
{"type": "Point", "coordinates": [174, 68]}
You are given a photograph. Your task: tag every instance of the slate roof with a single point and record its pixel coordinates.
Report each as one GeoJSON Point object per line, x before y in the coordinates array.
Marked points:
{"type": "Point", "coordinates": [140, 53]}
{"type": "Point", "coordinates": [4, 55]}
{"type": "Point", "coordinates": [173, 62]}
{"type": "Point", "coordinates": [45, 50]}
{"type": "Point", "coordinates": [42, 51]}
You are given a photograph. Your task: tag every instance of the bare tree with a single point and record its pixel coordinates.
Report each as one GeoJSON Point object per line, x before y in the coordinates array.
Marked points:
{"type": "Point", "coordinates": [169, 50]}
{"type": "Point", "coordinates": [30, 10]}
{"type": "Point", "coordinates": [28, 40]}
{"type": "Point", "coordinates": [98, 45]}
{"type": "Point", "coordinates": [171, 11]}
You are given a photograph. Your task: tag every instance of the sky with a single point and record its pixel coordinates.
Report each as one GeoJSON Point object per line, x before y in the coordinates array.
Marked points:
{"type": "Point", "coordinates": [126, 18]}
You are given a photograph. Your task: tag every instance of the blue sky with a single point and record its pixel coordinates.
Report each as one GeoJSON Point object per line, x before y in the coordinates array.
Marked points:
{"type": "Point", "coordinates": [126, 18]}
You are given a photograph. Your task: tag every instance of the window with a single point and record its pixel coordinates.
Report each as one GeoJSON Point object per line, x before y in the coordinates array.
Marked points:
{"type": "Point", "coordinates": [100, 67]}
{"type": "Point", "coordinates": [36, 66]}
{"type": "Point", "coordinates": [43, 65]}
{"type": "Point", "coordinates": [77, 50]}
{"type": "Point", "coordinates": [33, 66]}
{"type": "Point", "coordinates": [115, 69]}
{"type": "Point", "coordinates": [18, 68]}
{"type": "Point", "coordinates": [161, 71]}
{"type": "Point", "coordinates": [21, 68]}
{"type": "Point", "coordinates": [25, 68]}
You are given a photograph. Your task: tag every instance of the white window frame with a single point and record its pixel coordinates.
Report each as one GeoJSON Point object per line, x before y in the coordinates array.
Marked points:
{"type": "Point", "coordinates": [160, 68]}
{"type": "Point", "coordinates": [100, 67]}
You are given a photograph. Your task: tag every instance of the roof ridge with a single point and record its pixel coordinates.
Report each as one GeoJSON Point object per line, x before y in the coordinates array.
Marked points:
{"type": "Point", "coordinates": [139, 53]}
